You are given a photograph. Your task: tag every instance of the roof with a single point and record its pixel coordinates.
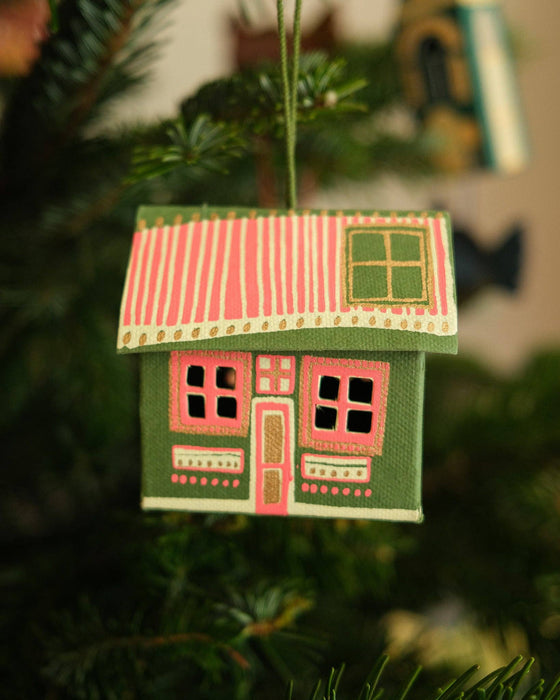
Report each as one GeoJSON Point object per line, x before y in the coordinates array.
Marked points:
{"type": "Point", "coordinates": [289, 280]}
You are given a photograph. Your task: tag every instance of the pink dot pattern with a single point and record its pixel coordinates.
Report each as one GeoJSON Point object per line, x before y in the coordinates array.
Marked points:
{"type": "Point", "coordinates": [324, 489]}
{"type": "Point", "coordinates": [183, 479]}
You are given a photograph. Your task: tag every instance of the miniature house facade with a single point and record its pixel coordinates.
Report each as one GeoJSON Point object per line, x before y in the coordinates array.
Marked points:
{"type": "Point", "coordinates": [458, 73]}
{"type": "Point", "coordinates": [283, 357]}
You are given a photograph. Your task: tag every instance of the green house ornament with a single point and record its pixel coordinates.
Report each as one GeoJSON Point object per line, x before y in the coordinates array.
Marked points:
{"type": "Point", "coordinates": [458, 73]}
{"type": "Point", "coordinates": [283, 357]}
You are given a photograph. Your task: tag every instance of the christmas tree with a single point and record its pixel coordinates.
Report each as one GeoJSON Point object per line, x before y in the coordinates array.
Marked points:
{"type": "Point", "coordinates": [102, 600]}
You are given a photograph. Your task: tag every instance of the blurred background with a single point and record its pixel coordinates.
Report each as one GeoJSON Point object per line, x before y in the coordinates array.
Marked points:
{"type": "Point", "coordinates": [102, 600]}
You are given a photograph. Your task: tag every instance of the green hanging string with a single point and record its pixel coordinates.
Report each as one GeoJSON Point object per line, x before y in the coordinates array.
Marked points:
{"type": "Point", "coordinates": [289, 95]}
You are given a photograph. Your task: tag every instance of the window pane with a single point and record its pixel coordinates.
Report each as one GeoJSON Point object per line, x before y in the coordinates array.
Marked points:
{"type": "Point", "coordinates": [407, 283]}
{"type": "Point", "coordinates": [368, 246]}
{"type": "Point", "coordinates": [227, 407]}
{"type": "Point", "coordinates": [360, 390]}
{"type": "Point", "coordinates": [369, 282]}
{"type": "Point", "coordinates": [405, 247]}
{"type": "Point", "coordinates": [325, 418]}
{"type": "Point", "coordinates": [195, 375]}
{"type": "Point", "coordinates": [328, 388]}
{"type": "Point", "coordinates": [225, 377]}
{"type": "Point", "coordinates": [359, 422]}
{"type": "Point", "coordinates": [197, 408]}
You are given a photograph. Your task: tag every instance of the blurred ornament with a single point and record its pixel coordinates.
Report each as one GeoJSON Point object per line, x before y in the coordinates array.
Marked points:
{"type": "Point", "coordinates": [23, 27]}
{"type": "Point", "coordinates": [477, 267]}
{"type": "Point", "coordinates": [458, 73]}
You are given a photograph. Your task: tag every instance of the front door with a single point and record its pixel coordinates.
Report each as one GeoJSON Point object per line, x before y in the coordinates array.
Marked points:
{"type": "Point", "coordinates": [273, 450]}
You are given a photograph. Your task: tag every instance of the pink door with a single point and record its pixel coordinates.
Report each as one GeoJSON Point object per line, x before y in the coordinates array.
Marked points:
{"type": "Point", "coordinates": [273, 459]}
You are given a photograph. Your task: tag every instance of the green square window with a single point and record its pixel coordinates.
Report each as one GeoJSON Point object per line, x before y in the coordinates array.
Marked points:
{"type": "Point", "coordinates": [407, 284]}
{"type": "Point", "coordinates": [367, 247]}
{"type": "Point", "coordinates": [369, 282]}
{"type": "Point", "coordinates": [405, 247]}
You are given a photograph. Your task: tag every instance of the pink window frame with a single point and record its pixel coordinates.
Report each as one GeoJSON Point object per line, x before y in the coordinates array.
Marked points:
{"type": "Point", "coordinates": [211, 424]}
{"type": "Point", "coordinates": [340, 440]}
{"type": "Point", "coordinates": [275, 373]}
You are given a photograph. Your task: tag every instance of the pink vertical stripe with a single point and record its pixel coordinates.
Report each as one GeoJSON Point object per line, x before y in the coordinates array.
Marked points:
{"type": "Point", "coordinates": [196, 235]}
{"type": "Point", "coordinates": [214, 311]}
{"type": "Point", "coordinates": [142, 278]}
{"type": "Point", "coordinates": [233, 286]}
{"type": "Point", "coordinates": [311, 267]}
{"type": "Point", "coordinates": [267, 300]}
{"type": "Point", "coordinates": [440, 253]}
{"type": "Point", "coordinates": [334, 272]}
{"type": "Point", "coordinates": [279, 272]}
{"type": "Point", "coordinates": [156, 262]}
{"type": "Point", "coordinates": [211, 231]}
{"type": "Point", "coordinates": [165, 279]}
{"type": "Point", "coordinates": [251, 285]}
{"type": "Point", "coordinates": [302, 267]}
{"type": "Point", "coordinates": [173, 312]}
{"type": "Point", "coordinates": [289, 266]}
{"type": "Point", "coordinates": [136, 241]}
{"type": "Point", "coordinates": [321, 244]}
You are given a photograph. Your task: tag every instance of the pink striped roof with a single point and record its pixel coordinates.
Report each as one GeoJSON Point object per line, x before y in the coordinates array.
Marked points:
{"type": "Point", "coordinates": [232, 276]}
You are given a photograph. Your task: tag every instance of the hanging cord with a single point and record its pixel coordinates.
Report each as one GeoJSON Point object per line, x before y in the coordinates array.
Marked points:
{"type": "Point", "coordinates": [289, 90]}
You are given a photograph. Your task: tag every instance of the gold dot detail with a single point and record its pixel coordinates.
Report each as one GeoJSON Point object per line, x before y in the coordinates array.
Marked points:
{"type": "Point", "coordinates": [195, 216]}
{"type": "Point", "coordinates": [300, 322]}
{"type": "Point", "coordinates": [417, 325]}
{"type": "Point", "coordinates": [142, 224]}
{"type": "Point", "coordinates": [126, 337]}
{"type": "Point", "coordinates": [431, 326]}
{"type": "Point", "coordinates": [354, 320]}
{"type": "Point", "coordinates": [346, 473]}
{"type": "Point", "coordinates": [160, 336]}
{"type": "Point", "coordinates": [272, 212]}
{"type": "Point", "coordinates": [214, 216]}
{"type": "Point", "coordinates": [333, 473]}
{"type": "Point", "coordinates": [196, 332]}
{"type": "Point", "coordinates": [252, 214]}
{"type": "Point", "coordinates": [387, 323]}
{"type": "Point", "coordinates": [246, 328]}
{"type": "Point", "coordinates": [180, 462]}
{"type": "Point", "coordinates": [159, 221]}
{"type": "Point", "coordinates": [322, 472]}
{"type": "Point", "coordinates": [318, 321]}
{"type": "Point", "coordinates": [178, 220]}
{"type": "Point", "coordinates": [283, 324]}
{"type": "Point", "coordinates": [337, 321]}
{"type": "Point", "coordinates": [372, 320]}
{"type": "Point", "coordinates": [404, 324]}
{"type": "Point", "coordinates": [178, 335]}
{"type": "Point", "coordinates": [143, 339]}
{"type": "Point", "coordinates": [445, 327]}
{"type": "Point", "coordinates": [231, 215]}
{"type": "Point", "coordinates": [230, 330]}
{"type": "Point", "coordinates": [265, 326]}
{"type": "Point", "coordinates": [324, 212]}
{"type": "Point", "coordinates": [214, 332]}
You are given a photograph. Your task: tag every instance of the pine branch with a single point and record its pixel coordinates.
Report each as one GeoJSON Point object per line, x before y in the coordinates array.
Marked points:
{"type": "Point", "coordinates": [503, 684]}
{"type": "Point", "coordinates": [97, 54]}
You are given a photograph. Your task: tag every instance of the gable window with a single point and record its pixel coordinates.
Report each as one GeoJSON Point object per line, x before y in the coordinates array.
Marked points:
{"type": "Point", "coordinates": [388, 266]}
{"type": "Point", "coordinates": [275, 374]}
{"type": "Point", "coordinates": [209, 392]}
{"type": "Point", "coordinates": [343, 404]}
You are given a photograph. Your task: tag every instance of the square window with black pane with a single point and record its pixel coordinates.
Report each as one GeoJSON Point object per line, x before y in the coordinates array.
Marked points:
{"type": "Point", "coordinates": [387, 265]}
